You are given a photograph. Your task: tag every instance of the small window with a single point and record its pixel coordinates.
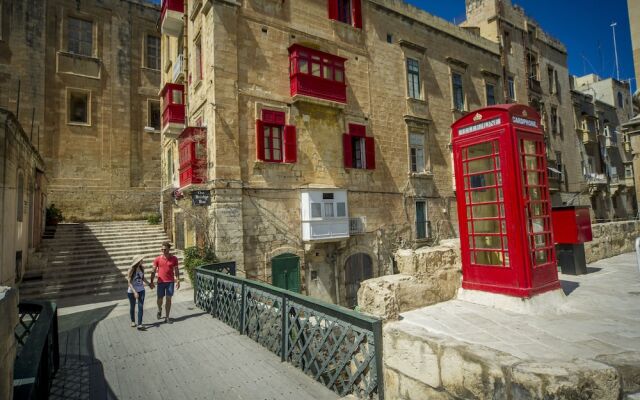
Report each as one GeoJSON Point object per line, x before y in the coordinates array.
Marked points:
{"type": "Point", "coordinates": [20, 196]}
{"type": "Point", "coordinates": [78, 107]}
{"type": "Point", "coordinates": [169, 166]}
{"type": "Point", "coordinates": [389, 38]}
{"type": "Point", "coordinates": [327, 196]}
{"type": "Point", "coordinates": [359, 150]}
{"type": "Point", "coordinates": [620, 100]}
{"type": "Point", "coordinates": [552, 80]}
{"type": "Point", "coordinates": [344, 11]}
{"type": "Point", "coordinates": [413, 78]}
{"type": "Point", "coordinates": [80, 36]}
{"type": "Point", "coordinates": [421, 220]}
{"type": "Point", "coordinates": [628, 171]}
{"type": "Point", "coordinates": [198, 59]}
{"type": "Point", "coordinates": [275, 141]}
{"type": "Point", "coordinates": [272, 143]}
{"type": "Point", "coordinates": [416, 152]}
{"type": "Point", "coordinates": [554, 119]}
{"type": "Point", "coordinates": [153, 52]}
{"type": "Point", "coordinates": [458, 91]}
{"type": "Point", "coordinates": [507, 41]}
{"type": "Point", "coordinates": [153, 114]}
{"type": "Point", "coordinates": [511, 88]}
{"type": "Point", "coordinates": [491, 94]}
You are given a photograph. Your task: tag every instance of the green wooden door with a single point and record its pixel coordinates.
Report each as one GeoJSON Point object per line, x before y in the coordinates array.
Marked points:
{"type": "Point", "coordinates": [285, 272]}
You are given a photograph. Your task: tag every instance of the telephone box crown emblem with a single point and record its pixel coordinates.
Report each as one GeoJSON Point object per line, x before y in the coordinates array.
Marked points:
{"type": "Point", "coordinates": [477, 117]}
{"type": "Point", "coordinates": [524, 113]}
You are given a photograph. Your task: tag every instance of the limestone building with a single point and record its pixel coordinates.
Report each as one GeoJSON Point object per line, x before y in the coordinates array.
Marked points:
{"type": "Point", "coordinates": [634, 24]}
{"type": "Point", "coordinates": [535, 72]}
{"type": "Point", "coordinates": [85, 77]}
{"type": "Point", "coordinates": [632, 128]}
{"type": "Point", "coordinates": [315, 134]}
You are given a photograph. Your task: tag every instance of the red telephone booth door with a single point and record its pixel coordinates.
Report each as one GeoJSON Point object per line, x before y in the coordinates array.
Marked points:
{"type": "Point", "coordinates": [483, 171]}
{"type": "Point", "coordinates": [536, 210]}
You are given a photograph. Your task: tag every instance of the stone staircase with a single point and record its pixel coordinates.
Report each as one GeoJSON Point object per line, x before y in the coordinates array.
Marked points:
{"type": "Point", "coordinates": [90, 259]}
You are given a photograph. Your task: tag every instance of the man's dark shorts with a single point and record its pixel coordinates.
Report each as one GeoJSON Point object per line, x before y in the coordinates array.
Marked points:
{"type": "Point", "coordinates": [165, 289]}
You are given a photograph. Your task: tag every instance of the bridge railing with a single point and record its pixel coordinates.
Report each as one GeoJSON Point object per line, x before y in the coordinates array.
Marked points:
{"type": "Point", "coordinates": [340, 348]}
{"type": "Point", "coordinates": [38, 356]}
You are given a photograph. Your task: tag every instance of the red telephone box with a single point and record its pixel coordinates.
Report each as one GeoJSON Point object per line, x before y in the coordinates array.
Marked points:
{"type": "Point", "coordinates": [504, 209]}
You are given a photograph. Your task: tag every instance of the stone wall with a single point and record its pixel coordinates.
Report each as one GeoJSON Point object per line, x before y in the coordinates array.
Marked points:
{"type": "Point", "coordinates": [611, 239]}
{"type": "Point", "coordinates": [428, 275]}
{"type": "Point", "coordinates": [9, 313]}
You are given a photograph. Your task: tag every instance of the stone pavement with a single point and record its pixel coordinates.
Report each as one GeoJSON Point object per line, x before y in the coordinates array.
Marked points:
{"type": "Point", "coordinates": [588, 348]}
{"type": "Point", "coordinates": [195, 357]}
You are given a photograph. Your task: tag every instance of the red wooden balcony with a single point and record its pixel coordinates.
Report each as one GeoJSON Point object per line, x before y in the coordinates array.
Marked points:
{"type": "Point", "coordinates": [173, 111]}
{"type": "Point", "coordinates": [171, 17]}
{"type": "Point", "coordinates": [192, 145]}
{"type": "Point", "coordinates": [317, 74]}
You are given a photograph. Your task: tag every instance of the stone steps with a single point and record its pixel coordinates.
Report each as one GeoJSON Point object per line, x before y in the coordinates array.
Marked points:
{"type": "Point", "coordinates": [91, 259]}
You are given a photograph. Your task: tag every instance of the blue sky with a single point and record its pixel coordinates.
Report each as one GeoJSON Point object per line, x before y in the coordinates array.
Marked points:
{"type": "Point", "coordinates": [587, 34]}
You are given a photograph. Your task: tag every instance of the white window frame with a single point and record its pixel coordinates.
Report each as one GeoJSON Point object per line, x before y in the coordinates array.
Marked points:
{"type": "Point", "coordinates": [511, 88]}
{"type": "Point", "coordinates": [71, 91]}
{"type": "Point", "coordinates": [333, 206]}
{"type": "Point", "coordinates": [149, 121]}
{"type": "Point", "coordinates": [147, 52]}
{"type": "Point", "coordinates": [418, 147]}
{"type": "Point", "coordinates": [90, 33]}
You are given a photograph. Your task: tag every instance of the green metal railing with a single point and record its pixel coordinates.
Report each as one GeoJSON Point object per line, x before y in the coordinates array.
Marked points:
{"type": "Point", "coordinates": [340, 348]}
{"type": "Point", "coordinates": [38, 356]}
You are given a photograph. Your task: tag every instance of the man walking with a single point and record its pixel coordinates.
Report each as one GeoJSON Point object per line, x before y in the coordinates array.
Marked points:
{"type": "Point", "coordinates": [166, 266]}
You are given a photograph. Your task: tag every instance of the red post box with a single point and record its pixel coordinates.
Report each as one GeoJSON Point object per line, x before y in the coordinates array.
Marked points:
{"type": "Point", "coordinates": [571, 229]}
{"type": "Point", "coordinates": [571, 224]}
{"type": "Point", "coordinates": [503, 202]}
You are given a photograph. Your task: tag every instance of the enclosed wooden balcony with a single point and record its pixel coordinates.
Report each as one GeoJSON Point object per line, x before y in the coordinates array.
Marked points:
{"type": "Point", "coordinates": [171, 17]}
{"type": "Point", "coordinates": [192, 145]}
{"type": "Point", "coordinates": [316, 74]}
{"type": "Point", "coordinates": [173, 111]}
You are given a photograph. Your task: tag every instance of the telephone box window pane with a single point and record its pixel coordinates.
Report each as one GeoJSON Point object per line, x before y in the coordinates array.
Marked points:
{"type": "Point", "coordinates": [541, 257]}
{"type": "Point", "coordinates": [492, 226]}
{"type": "Point", "coordinates": [529, 147]}
{"type": "Point", "coordinates": [481, 165]}
{"type": "Point", "coordinates": [488, 242]}
{"type": "Point", "coordinates": [532, 178]}
{"type": "Point", "coordinates": [535, 193]}
{"type": "Point", "coordinates": [538, 210]}
{"type": "Point", "coordinates": [531, 162]}
{"type": "Point", "coordinates": [489, 258]}
{"type": "Point", "coordinates": [537, 225]}
{"type": "Point", "coordinates": [539, 241]}
{"type": "Point", "coordinates": [316, 210]}
{"type": "Point", "coordinates": [479, 150]}
{"type": "Point", "coordinates": [483, 196]}
{"type": "Point", "coordinates": [485, 211]}
{"type": "Point", "coordinates": [482, 180]}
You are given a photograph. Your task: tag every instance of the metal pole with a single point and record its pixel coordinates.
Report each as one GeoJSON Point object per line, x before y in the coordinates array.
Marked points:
{"type": "Point", "coordinates": [638, 253]}
{"type": "Point", "coordinates": [615, 49]}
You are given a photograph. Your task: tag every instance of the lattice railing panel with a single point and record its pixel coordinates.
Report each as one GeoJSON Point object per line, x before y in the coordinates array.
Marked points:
{"type": "Point", "coordinates": [263, 318]}
{"type": "Point", "coordinates": [26, 321]}
{"type": "Point", "coordinates": [204, 297]}
{"type": "Point", "coordinates": [338, 354]}
{"type": "Point", "coordinates": [229, 302]}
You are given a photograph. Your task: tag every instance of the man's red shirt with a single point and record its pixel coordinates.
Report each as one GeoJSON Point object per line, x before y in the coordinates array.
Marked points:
{"type": "Point", "coordinates": [164, 267]}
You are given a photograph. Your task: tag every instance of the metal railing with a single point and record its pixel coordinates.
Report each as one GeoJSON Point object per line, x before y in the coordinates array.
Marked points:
{"type": "Point", "coordinates": [38, 355]}
{"type": "Point", "coordinates": [340, 348]}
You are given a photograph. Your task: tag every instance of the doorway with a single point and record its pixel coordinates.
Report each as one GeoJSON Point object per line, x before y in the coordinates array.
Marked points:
{"type": "Point", "coordinates": [285, 272]}
{"type": "Point", "coordinates": [358, 268]}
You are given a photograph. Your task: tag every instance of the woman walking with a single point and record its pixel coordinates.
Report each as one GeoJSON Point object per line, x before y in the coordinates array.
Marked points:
{"type": "Point", "coordinates": [135, 291]}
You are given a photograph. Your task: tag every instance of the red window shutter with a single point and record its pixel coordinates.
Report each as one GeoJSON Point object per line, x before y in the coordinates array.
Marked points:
{"type": "Point", "coordinates": [370, 153]}
{"type": "Point", "coordinates": [333, 9]}
{"type": "Point", "coordinates": [357, 13]}
{"type": "Point", "coordinates": [348, 152]}
{"type": "Point", "coordinates": [290, 147]}
{"type": "Point", "coordinates": [259, 140]}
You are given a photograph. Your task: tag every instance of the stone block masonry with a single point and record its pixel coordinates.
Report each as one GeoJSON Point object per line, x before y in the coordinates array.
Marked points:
{"type": "Point", "coordinates": [9, 313]}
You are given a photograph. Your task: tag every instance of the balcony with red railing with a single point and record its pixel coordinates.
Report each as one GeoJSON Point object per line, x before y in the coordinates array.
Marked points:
{"type": "Point", "coordinates": [173, 111]}
{"type": "Point", "coordinates": [317, 74]}
{"type": "Point", "coordinates": [192, 145]}
{"type": "Point", "coordinates": [171, 14]}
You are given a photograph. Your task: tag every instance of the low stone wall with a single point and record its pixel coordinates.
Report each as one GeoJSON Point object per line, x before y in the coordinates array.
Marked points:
{"type": "Point", "coordinates": [9, 313]}
{"type": "Point", "coordinates": [418, 365]}
{"type": "Point", "coordinates": [428, 275]}
{"type": "Point", "coordinates": [611, 239]}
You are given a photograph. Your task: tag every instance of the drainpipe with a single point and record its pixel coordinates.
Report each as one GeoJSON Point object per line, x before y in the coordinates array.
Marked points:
{"type": "Point", "coordinates": [638, 253]}
{"type": "Point", "coordinates": [4, 185]}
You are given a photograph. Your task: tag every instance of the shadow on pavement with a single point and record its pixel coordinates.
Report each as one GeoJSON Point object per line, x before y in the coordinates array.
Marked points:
{"type": "Point", "coordinates": [81, 375]}
{"type": "Point", "coordinates": [568, 286]}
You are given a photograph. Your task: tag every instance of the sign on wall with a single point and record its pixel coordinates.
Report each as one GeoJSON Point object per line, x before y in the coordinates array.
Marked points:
{"type": "Point", "coordinates": [201, 198]}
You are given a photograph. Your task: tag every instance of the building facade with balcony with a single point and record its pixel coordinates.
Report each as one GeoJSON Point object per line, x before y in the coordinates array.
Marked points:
{"type": "Point", "coordinates": [323, 133]}
{"type": "Point", "coordinates": [605, 150]}
{"type": "Point", "coordinates": [536, 73]}
{"type": "Point", "coordinates": [84, 78]}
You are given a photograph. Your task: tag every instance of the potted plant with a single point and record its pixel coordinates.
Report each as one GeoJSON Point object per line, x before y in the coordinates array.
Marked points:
{"type": "Point", "coordinates": [54, 215]}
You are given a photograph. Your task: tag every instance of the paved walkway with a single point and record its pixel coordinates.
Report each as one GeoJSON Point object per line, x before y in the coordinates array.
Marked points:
{"type": "Point", "coordinates": [196, 357]}
{"type": "Point", "coordinates": [600, 315]}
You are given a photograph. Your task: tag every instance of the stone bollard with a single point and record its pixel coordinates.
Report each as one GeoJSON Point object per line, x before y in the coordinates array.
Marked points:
{"type": "Point", "coordinates": [9, 313]}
